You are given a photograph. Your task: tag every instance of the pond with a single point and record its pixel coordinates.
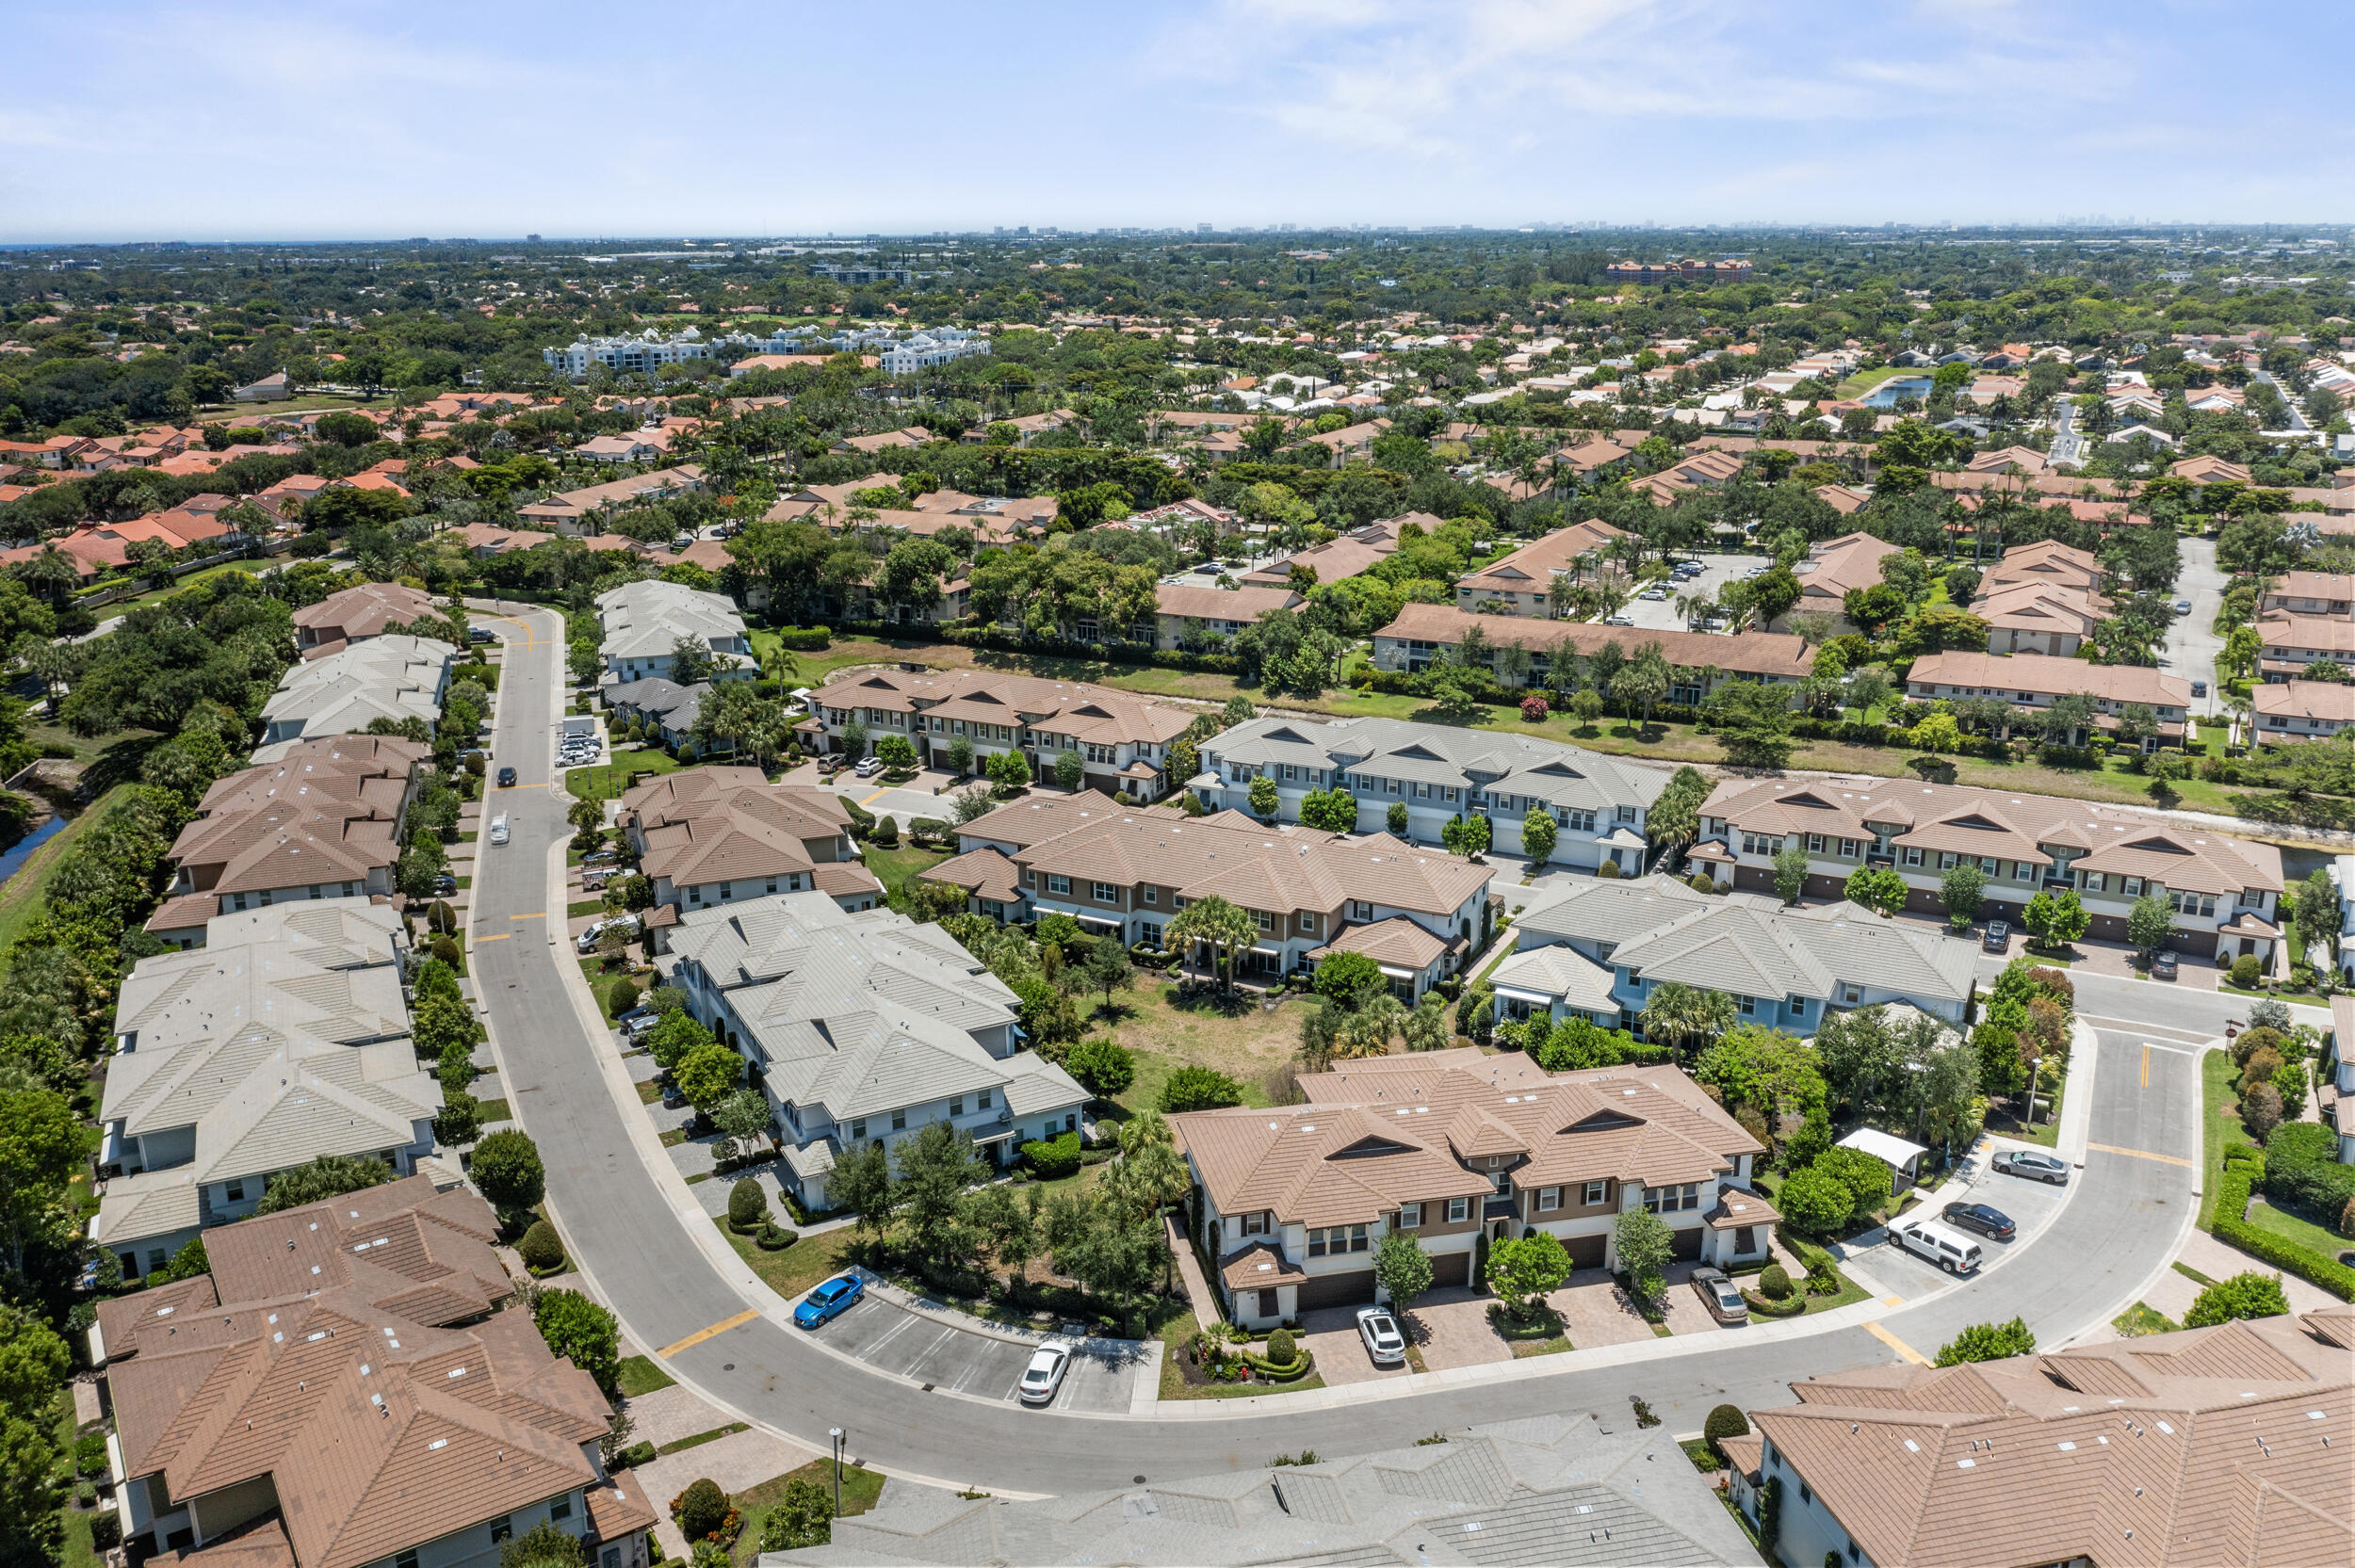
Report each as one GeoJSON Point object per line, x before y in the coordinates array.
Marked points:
{"type": "Point", "coordinates": [1886, 394]}
{"type": "Point", "coordinates": [13, 859]}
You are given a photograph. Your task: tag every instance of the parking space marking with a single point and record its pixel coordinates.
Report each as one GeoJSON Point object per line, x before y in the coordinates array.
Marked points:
{"type": "Point", "coordinates": [887, 1336]}
{"type": "Point", "coordinates": [2145, 1154]}
{"type": "Point", "coordinates": [1904, 1350]}
{"type": "Point", "coordinates": [711, 1332]}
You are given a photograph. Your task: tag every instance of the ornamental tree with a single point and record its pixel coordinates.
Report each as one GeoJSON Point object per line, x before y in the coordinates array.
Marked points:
{"type": "Point", "coordinates": [1989, 1342]}
{"type": "Point", "coordinates": [1402, 1269]}
{"type": "Point", "coordinates": [1815, 1202]}
{"type": "Point", "coordinates": [1644, 1246]}
{"type": "Point", "coordinates": [1521, 1270]}
{"type": "Point", "coordinates": [1877, 888]}
{"type": "Point", "coordinates": [1539, 834]}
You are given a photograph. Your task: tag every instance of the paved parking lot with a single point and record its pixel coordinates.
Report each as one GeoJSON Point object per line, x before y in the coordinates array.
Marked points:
{"type": "Point", "coordinates": [2029, 1203]}
{"type": "Point", "coordinates": [933, 1350]}
{"type": "Point", "coordinates": [1661, 614]}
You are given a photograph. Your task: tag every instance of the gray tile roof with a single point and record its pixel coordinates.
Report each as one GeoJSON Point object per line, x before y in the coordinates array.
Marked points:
{"type": "Point", "coordinates": [1561, 775]}
{"type": "Point", "coordinates": [1556, 1490]}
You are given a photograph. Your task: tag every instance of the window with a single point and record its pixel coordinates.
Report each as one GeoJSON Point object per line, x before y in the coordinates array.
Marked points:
{"type": "Point", "coordinates": [406, 1559]}
{"type": "Point", "coordinates": [898, 1120]}
{"type": "Point", "coordinates": [1060, 886]}
{"type": "Point", "coordinates": [1623, 814]}
{"type": "Point", "coordinates": [236, 1192]}
{"type": "Point", "coordinates": [1308, 923]}
{"type": "Point", "coordinates": [981, 1101]}
{"type": "Point", "coordinates": [2093, 881]}
{"type": "Point", "coordinates": [1255, 1223]}
{"type": "Point", "coordinates": [1848, 847]}
{"type": "Point", "coordinates": [1456, 1210]}
{"type": "Point", "coordinates": [1798, 1007]}
{"type": "Point", "coordinates": [1105, 892]}
{"type": "Point", "coordinates": [1989, 865]}
{"type": "Point", "coordinates": [1807, 1494]}
{"type": "Point", "coordinates": [773, 886]}
{"type": "Point", "coordinates": [1360, 910]}
{"type": "Point", "coordinates": [1749, 1006]}
{"type": "Point", "coordinates": [1265, 921]}
{"type": "Point", "coordinates": [1548, 1199]}
{"type": "Point", "coordinates": [2133, 888]}
{"type": "Point", "coordinates": [561, 1507]}
{"type": "Point", "coordinates": [1672, 1200]}
{"type": "Point", "coordinates": [1815, 844]}
{"type": "Point", "coordinates": [1913, 856]}
{"type": "Point", "coordinates": [1409, 1217]}
{"type": "Point", "coordinates": [613, 1557]}
{"type": "Point", "coordinates": [1071, 1121]}
{"type": "Point", "coordinates": [1596, 1193]}
{"type": "Point", "coordinates": [1337, 1242]}
{"type": "Point", "coordinates": [502, 1530]}
{"type": "Point", "coordinates": [956, 1106]}
{"type": "Point", "coordinates": [1152, 894]}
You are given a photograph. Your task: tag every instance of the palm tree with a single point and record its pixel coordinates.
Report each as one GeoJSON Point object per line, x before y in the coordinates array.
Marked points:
{"type": "Point", "coordinates": [1680, 1012]}
{"type": "Point", "coordinates": [1367, 1032]}
{"type": "Point", "coordinates": [1221, 926]}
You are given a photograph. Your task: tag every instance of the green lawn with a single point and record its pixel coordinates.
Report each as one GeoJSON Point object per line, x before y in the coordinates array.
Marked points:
{"type": "Point", "coordinates": [1865, 380]}
{"type": "Point", "coordinates": [639, 1375]}
{"type": "Point", "coordinates": [861, 1489]}
{"type": "Point", "coordinates": [896, 868]}
{"type": "Point", "coordinates": [2142, 1318]}
{"type": "Point", "coordinates": [78, 1552]}
{"type": "Point", "coordinates": [698, 1440]}
{"type": "Point", "coordinates": [607, 782]}
{"type": "Point", "coordinates": [2290, 1227]}
{"type": "Point", "coordinates": [124, 606]}
{"type": "Point", "coordinates": [2219, 1126]}
{"type": "Point", "coordinates": [797, 1268]}
{"type": "Point", "coordinates": [23, 894]}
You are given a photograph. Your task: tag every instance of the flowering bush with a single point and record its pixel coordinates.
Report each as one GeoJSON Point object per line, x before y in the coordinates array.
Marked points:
{"type": "Point", "coordinates": [1532, 710]}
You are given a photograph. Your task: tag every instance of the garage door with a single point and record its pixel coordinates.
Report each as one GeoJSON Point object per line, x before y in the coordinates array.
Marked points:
{"type": "Point", "coordinates": [1330, 1290]}
{"type": "Point", "coordinates": [1688, 1244]}
{"type": "Point", "coordinates": [1451, 1269]}
{"type": "Point", "coordinates": [1586, 1250]}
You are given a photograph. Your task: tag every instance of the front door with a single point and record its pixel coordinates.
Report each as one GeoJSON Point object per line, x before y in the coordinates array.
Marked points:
{"type": "Point", "coordinates": [1267, 1304]}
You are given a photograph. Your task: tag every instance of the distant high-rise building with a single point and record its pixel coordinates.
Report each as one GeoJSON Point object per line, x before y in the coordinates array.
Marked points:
{"type": "Point", "coordinates": [1201, 228]}
{"type": "Point", "coordinates": [534, 239]}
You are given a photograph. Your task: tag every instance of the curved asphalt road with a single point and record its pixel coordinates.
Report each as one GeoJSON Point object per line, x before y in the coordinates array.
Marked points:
{"type": "Point", "coordinates": [2122, 1226]}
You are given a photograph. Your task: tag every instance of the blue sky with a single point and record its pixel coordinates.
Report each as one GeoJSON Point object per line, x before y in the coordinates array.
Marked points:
{"type": "Point", "coordinates": [134, 119]}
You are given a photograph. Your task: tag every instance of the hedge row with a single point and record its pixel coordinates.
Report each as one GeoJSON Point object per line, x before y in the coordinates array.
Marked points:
{"type": "Point", "coordinates": [2232, 1204]}
{"type": "Point", "coordinates": [1053, 1159]}
{"type": "Point", "coordinates": [1790, 1306]}
{"type": "Point", "coordinates": [1275, 1372]}
{"type": "Point", "coordinates": [2301, 1167]}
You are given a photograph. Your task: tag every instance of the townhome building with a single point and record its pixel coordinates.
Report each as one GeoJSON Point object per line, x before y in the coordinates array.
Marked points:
{"type": "Point", "coordinates": [356, 614]}
{"type": "Point", "coordinates": [2226, 891]}
{"type": "Point", "coordinates": [1185, 613]}
{"type": "Point", "coordinates": [1451, 1146]}
{"type": "Point", "coordinates": [1440, 772]}
{"type": "Point", "coordinates": [1424, 635]}
{"type": "Point", "coordinates": [2292, 643]}
{"type": "Point", "coordinates": [1833, 570]}
{"type": "Point", "coordinates": [393, 678]}
{"type": "Point", "coordinates": [707, 837]}
{"type": "Point", "coordinates": [2210, 1445]}
{"type": "Point", "coordinates": [1596, 950]}
{"type": "Point", "coordinates": [864, 1028]}
{"type": "Point", "coordinates": [323, 822]}
{"type": "Point", "coordinates": [2295, 710]}
{"type": "Point", "coordinates": [285, 1037]}
{"type": "Point", "coordinates": [2311, 593]}
{"type": "Point", "coordinates": [640, 353]}
{"type": "Point", "coordinates": [1123, 741]}
{"type": "Point", "coordinates": [1522, 582]}
{"type": "Point", "coordinates": [585, 510]}
{"type": "Point", "coordinates": [1354, 553]}
{"type": "Point", "coordinates": [338, 1392]}
{"type": "Point", "coordinates": [645, 621]}
{"type": "Point", "coordinates": [2033, 681]}
{"type": "Point", "coordinates": [1128, 874]}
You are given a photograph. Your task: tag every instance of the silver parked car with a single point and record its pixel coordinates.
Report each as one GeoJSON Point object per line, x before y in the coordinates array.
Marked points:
{"type": "Point", "coordinates": [1725, 1303]}
{"type": "Point", "coordinates": [2037, 1167]}
{"type": "Point", "coordinates": [1379, 1329]}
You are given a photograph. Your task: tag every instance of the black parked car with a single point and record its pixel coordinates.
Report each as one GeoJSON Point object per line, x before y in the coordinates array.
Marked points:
{"type": "Point", "coordinates": [1998, 933]}
{"type": "Point", "coordinates": [444, 885]}
{"type": "Point", "coordinates": [1992, 1223]}
{"type": "Point", "coordinates": [2163, 966]}
{"type": "Point", "coordinates": [507, 778]}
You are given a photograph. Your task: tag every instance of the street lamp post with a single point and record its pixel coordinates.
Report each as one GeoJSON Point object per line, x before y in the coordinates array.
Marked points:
{"type": "Point", "coordinates": [834, 1433]}
{"type": "Point", "coordinates": [2036, 1065]}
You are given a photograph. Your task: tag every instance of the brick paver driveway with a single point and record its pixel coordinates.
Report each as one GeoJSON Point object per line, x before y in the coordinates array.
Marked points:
{"type": "Point", "coordinates": [1593, 1312]}
{"type": "Point", "coordinates": [1331, 1335]}
{"type": "Point", "coordinates": [1451, 1328]}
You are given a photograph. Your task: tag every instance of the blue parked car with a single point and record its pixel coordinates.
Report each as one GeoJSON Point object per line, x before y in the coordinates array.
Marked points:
{"type": "Point", "coordinates": [830, 1300]}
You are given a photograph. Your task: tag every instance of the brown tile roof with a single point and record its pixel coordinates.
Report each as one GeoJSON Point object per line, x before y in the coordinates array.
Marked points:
{"type": "Point", "coordinates": [2328, 635]}
{"type": "Point", "coordinates": [1392, 1129]}
{"type": "Point", "coordinates": [1397, 942]}
{"type": "Point", "coordinates": [2002, 824]}
{"type": "Point", "coordinates": [1064, 708]}
{"type": "Point", "coordinates": [1837, 565]}
{"type": "Point", "coordinates": [2040, 608]}
{"type": "Point", "coordinates": [1222, 603]}
{"type": "Point", "coordinates": [985, 873]}
{"type": "Point", "coordinates": [1532, 568]}
{"type": "Point", "coordinates": [1256, 1266]}
{"type": "Point", "coordinates": [263, 1546]}
{"type": "Point", "coordinates": [1769, 654]}
{"type": "Point", "coordinates": [1977, 671]}
{"type": "Point", "coordinates": [367, 609]}
{"type": "Point", "coordinates": [2206, 1446]}
{"type": "Point", "coordinates": [2332, 700]}
{"type": "Point", "coordinates": [2045, 561]}
{"type": "Point", "coordinates": [708, 825]}
{"type": "Point", "coordinates": [188, 912]}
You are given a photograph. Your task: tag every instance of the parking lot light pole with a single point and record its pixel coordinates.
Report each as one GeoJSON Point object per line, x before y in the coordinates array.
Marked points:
{"type": "Point", "coordinates": [834, 1434]}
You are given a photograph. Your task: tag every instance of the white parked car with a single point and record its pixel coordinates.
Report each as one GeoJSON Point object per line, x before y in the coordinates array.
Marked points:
{"type": "Point", "coordinates": [868, 768]}
{"type": "Point", "coordinates": [1619, 620]}
{"type": "Point", "coordinates": [1044, 1375]}
{"type": "Point", "coordinates": [1379, 1329]}
{"type": "Point", "coordinates": [1653, 594]}
{"type": "Point", "coordinates": [625, 924]}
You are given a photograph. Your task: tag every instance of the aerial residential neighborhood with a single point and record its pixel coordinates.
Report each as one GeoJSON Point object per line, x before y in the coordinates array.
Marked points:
{"type": "Point", "coordinates": [1252, 785]}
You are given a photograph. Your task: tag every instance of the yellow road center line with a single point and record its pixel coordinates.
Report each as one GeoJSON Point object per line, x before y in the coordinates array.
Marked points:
{"type": "Point", "coordinates": [877, 796]}
{"type": "Point", "coordinates": [2144, 1154]}
{"type": "Point", "coordinates": [1892, 1300]}
{"type": "Point", "coordinates": [501, 937]}
{"type": "Point", "coordinates": [2146, 1066]}
{"type": "Point", "coordinates": [520, 787]}
{"type": "Point", "coordinates": [701, 1334]}
{"type": "Point", "coordinates": [535, 915]}
{"type": "Point", "coordinates": [1904, 1350]}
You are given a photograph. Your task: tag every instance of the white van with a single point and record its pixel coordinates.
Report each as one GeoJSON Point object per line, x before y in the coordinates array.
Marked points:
{"type": "Point", "coordinates": [1949, 1249]}
{"type": "Point", "coordinates": [498, 829]}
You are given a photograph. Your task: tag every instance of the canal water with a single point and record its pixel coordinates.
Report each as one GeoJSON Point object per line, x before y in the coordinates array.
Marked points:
{"type": "Point", "coordinates": [12, 860]}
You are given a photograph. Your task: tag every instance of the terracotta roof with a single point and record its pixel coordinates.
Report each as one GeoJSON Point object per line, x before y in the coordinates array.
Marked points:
{"type": "Point", "coordinates": [263, 1546]}
{"type": "Point", "coordinates": [1837, 565]}
{"type": "Point", "coordinates": [720, 824]}
{"type": "Point", "coordinates": [1397, 942]}
{"type": "Point", "coordinates": [2330, 699]}
{"type": "Point", "coordinates": [2205, 1446]}
{"type": "Point", "coordinates": [1259, 1266]}
{"type": "Point", "coordinates": [985, 873]}
{"type": "Point", "coordinates": [1194, 602]}
{"type": "Point", "coordinates": [1070, 708]}
{"type": "Point", "coordinates": [1532, 568]}
{"type": "Point", "coordinates": [365, 610]}
{"type": "Point", "coordinates": [1752, 654]}
{"type": "Point", "coordinates": [1977, 672]}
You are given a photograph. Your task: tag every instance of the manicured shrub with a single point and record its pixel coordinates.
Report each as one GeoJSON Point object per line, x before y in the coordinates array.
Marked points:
{"type": "Point", "coordinates": [105, 1530]}
{"type": "Point", "coordinates": [748, 1206]}
{"type": "Point", "coordinates": [1726, 1421]}
{"type": "Point", "coordinates": [624, 997]}
{"type": "Point", "coordinates": [636, 1454]}
{"type": "Point", "coordinates": [1816, 1202]}
{"type": "Point", "coordinates": [2302, 1170]}
{"type": "Point", "coordinates": [1280, 1348]}
{"type": "Point", "coordinates": [541, 1248]}
{"type": "Point", "coordinates": [701, 1509]}
{"type": "Point", "coordinates": [2233, 1228]}
{"type": "Point", "coordinates": [774, 1238]}
{"type": "Point", "coordinates": [1054, 1158]}
{"type": "Point", "coordinates": [1608, 870]}
{"type": "Point", "coordinates": [2260, 1068]}
{"type": "Point", "coordinates": [2250, 1042]}
{"type": "Point", "coordinates": [2245, 976]}
{"type": "Point", "coordinates": [1196, 1088]}
{"type": "Point", "coordinates": [885, 831]}
{"type": "Point", "coordinates": [1775, 1285]}
{"type": "Point", "coordinates": [2248, 1293]}
{"type": "Point", "coordinates": [1104, 1067]}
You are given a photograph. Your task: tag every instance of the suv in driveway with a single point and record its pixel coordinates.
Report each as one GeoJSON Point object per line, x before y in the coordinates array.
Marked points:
{"type": "Point", "coordinates": [1379, 1329]}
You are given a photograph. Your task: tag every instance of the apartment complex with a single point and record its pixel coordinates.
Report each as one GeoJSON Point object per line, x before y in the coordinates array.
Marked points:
{"type": "Point", "coordinates": [1354, 552]}
{"type": "Point", "coordinates": [863, 1027]}
{"type": "Point", "coordinates": [285, 1037]}
{"type": "Point", "coordinates": [1185, 612]}
{"type": "Point", "coordinates": [714, 836]}
{"type": "Point", "coordinates": [323, 822]}
{"type": "Point", "coordinates": [1522, 583]}
{"type": "Point", "coordinates": [393, 678]}
{"type": "Point", "coordinates": [2041, 598]}
{"type": "Point", "coordinates": [355, 614]}
{"type": "Point", "coordinates": [1596, 950]}
{"type": "Point", "coordinates": [584, 511]}
{"type": "Point", "coordinates": [639, 353]}
{"type": "Point", "coordinates": [1835, 569]}
{"type": "Point", "coordinates": [341, 1392]}
{"type": "Point", "coordinates": [2226, 891]}
{"type": "Point", "coordinates": [645, 621]}
{"type": "Point", "coordinates": [1450, 1146]}
{"type": "Point", "coordinates": [2033, 681]}
{"type": "Point", "coordinates": [1439, 772]}
{"type": "Point", "coordinates": [1425, 634]}
{"type": "Point", "coordinates": [2215, 1445]}
{"type": "Point", "coordinates": [1123, 741]}
{"type": "Point", "coordinates": [1128, 874]}
{"type": "Point", "coordinates": [1705, 273]}
{"type": "Point", "coordinates": [2294, 710]}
